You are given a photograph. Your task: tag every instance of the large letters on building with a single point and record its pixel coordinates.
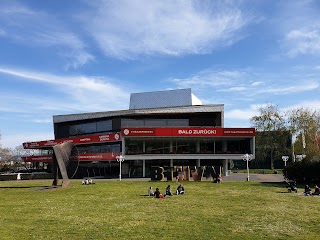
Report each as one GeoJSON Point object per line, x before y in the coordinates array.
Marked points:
{"type": "Point", "coordinates": [185, 173]}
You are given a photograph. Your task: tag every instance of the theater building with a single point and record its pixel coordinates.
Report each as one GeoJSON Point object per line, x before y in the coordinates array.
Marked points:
{"type": "Point", "coordinates": [163, 128]}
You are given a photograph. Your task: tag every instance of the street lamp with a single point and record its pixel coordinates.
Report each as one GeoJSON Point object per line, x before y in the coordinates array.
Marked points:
{"type": "Point", "coordinates": [247, 157]}
{"type": "Point", "coordinates": [120, 159]}
{"type": "Point", "coordinates": [285, 159]}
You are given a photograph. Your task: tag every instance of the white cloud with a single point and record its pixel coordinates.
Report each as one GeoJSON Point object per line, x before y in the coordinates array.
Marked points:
{"type": "Point", "coordinates": [241, 114]}
{"type": "Point", "coordinates": [49, 120]}
{"type": "Point", "coordinates": [14, 140]}
{"type": "Point", "coordinates": [294, 88]}
{"type": "Point", "coordinates": [80, 92]}
{"type": "Point", "coordinates": [310, 104]}
{"type": "Point", "coordinates": [303, 41]}
{"type": "Point", "coordinates": [211, 78]}
{"type": "Point", "coordinates": [40, 29]}
{"type": "Point", "coordinates": [126, 29]}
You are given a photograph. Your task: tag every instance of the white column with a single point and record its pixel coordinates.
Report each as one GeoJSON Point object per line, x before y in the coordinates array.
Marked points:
{"type": "Point", "coordinates": [225, 167]}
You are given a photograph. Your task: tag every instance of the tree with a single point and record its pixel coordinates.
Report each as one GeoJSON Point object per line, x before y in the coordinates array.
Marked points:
{"type": "Point", "coordinates": [305, 125]}
{"type": "Point", "coordinates": [272, 135]}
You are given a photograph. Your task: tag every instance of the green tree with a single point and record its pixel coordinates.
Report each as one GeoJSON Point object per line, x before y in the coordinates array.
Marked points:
{"type": "Point", "coordinates": [272, 137]}
{"type": "Point", "coordinates": [305, 125]}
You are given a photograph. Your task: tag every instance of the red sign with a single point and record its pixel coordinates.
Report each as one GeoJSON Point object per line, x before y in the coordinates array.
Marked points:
{"type": "Point", "coordinates": [81, 157]}
{"type": "Point", "coordinates": [45, 158]}
{"type": "Point", "coordinates": [187, 132]}
{"type": "Point", "coordinates": [111, 137]}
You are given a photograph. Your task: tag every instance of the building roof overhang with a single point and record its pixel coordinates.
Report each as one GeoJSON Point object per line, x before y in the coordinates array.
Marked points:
{"type": "Point", "coordinates": [150, 111]}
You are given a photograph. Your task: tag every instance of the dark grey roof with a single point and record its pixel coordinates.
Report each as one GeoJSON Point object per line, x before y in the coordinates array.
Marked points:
{"type": "Point", "coordinates": [159, 99]}
{"type": "Point", "coordinates": [94, 115]}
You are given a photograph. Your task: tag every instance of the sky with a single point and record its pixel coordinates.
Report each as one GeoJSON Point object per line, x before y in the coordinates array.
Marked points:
{"type": "Point", "coordinates": [62, 57]}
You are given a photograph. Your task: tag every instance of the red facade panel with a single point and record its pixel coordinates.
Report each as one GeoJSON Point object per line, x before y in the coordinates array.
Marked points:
{"type": "Point", "coordinates": [80, 157]}
{"type": "Point", "coordinates": [112, 137]}
{"type": "Point", "coordinates": [187, 132]}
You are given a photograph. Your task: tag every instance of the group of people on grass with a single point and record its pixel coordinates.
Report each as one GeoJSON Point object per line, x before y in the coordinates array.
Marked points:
{"type": "Point", "coordinates": [157, 194]}
{"type": "Point", "coordinates": [308, 192]}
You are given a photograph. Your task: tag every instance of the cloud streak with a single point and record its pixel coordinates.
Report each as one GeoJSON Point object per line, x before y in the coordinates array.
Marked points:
{"type": "Point", "coordinates": [127, 29]}
{"type": "Point", "coordinates": [80, 92]}
{"type": "Point", "coordinates": [40, 29]}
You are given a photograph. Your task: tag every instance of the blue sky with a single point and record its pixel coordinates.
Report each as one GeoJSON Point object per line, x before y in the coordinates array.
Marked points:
{"type": "Point", "coordinates": [63, 57]}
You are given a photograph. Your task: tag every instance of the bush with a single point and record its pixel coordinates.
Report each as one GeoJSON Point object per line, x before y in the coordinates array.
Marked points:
{"type": "Point", "coordinates": [303, 172]}
{"type": "Point", "coordinates": [8, 177]}
{"type": "Point", "coordinates": [26, 176]}
{"type": "Point", "coordinates": [42, 176]}
{"type": "Point", "coordinates": [30, 176]}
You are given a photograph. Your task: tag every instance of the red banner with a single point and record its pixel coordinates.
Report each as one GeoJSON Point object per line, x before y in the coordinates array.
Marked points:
{"type": "Point", "coordinates": [112, 137]}
{"type": "Point", "coordinates": [187, 132]}
{"type": "Point", "coordinates": [81, 157]}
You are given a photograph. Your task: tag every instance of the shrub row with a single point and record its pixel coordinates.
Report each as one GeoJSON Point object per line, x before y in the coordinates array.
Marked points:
{"type": "Point", "coordinates": [8, 177]}
{"type": "Point", "coordinates": [30, 176]}
{"type": "Point", "coordinates": [304, 172]}
{"type": "Point", "coordinates": [26, 176]}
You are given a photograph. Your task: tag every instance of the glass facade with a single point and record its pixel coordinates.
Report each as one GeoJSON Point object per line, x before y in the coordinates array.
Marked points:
{"type": "Point", "coordinates": [90, 128]}
{"type": "Point", "coordinates": [186, 146]}
{"type": "Point", "coordinates": [154, 123]}
{"type": "Point", "coordinates": [98, 148]}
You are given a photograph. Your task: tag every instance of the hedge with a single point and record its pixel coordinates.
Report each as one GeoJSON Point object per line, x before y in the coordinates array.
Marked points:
{"type": "Point", "coordinates": [26, 176]}
{"type": "Point", "coordinates": [8, 177]}
{"type": "Point", "coordinates": [304, 172]}
{"type": "Point", "coordinates": [30, 176]}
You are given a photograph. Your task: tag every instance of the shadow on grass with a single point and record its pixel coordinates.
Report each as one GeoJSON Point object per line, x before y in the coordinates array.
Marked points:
{"type": "Point", "coordinates": [38, 187]}
{"type": "Point", "coordinates": [274, 184]}
{"type": "Point", "coordinates": [282, 185]}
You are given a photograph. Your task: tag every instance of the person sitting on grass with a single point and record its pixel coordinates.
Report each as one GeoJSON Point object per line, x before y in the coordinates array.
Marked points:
{"type": "Point", "coordinates": [180, 190]}
{"type": "Point", "coordinates": [168, 191]}
{"type": "Point", "coordinates": [157, 193]}
{"type": "Point", "coordinates": [316, 190]}
{"type": "Point", "coordinates": [150, 192]}
{"type": "Point", "coordinates": [307, 190]}
{"type": "Point", "coordinates": [219, 179]}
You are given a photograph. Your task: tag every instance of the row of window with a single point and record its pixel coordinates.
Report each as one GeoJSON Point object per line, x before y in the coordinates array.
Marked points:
{"type": "Point", "coordinates": [86, 128]}
{"type": "Point", "coordinates": [187, 146]}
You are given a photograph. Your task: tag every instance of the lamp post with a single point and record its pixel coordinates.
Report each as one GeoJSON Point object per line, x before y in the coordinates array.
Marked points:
{"type": "Point", "coordinates": [247, 157]}
{"type": "Point", "coordinates": [120, 159]}
{"type": "Point", "coordinates": [285, 159]}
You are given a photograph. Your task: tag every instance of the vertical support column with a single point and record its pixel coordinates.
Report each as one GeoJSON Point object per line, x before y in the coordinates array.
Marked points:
{"type": "Point", "coordinates": [224, 146]}
{"type": "Point", "coordinates": [225, 167]}
{"type": "Point", "coordinates": [171, 147]}
{"type": "Point", "coordinates": [143, 168]}
{"type": "Point", "coordinates": [144, 161]}
{"type": "Point", "coordinates": [198, 146]}
{"type": "Point", "coordinates": [198, 163]}
{"type": "Point", "coordinates": [253, 146]}
{"type": "Point", "coordinates": [122, 153]}
{"type": "Point", "coordinates": [123, 147]}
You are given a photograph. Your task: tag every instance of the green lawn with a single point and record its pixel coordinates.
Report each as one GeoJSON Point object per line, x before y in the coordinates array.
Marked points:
{"type": "Point", "coordinates": [120, 210]}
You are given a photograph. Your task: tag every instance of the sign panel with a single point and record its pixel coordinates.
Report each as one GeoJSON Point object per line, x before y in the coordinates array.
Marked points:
{"type": "Point", "coordinates": [111, 137]}
{"type": "Point", "coordinates": [81, 157]}
{"type": "Point", "coordinates": [187, 132]}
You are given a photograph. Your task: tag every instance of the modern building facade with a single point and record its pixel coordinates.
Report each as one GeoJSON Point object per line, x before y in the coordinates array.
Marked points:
{"type": "Point", "coordinates": [163, 128]}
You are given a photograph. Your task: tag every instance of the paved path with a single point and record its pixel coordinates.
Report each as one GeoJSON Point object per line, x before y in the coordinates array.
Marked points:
{"type": "Point", "coordinates": [240, 177]}
{"type": "Point", "coordinates": [233, 177]}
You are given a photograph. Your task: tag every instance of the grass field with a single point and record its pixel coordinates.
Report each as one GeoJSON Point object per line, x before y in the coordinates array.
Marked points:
{"type": "Point", "coordinates": [121, 210]}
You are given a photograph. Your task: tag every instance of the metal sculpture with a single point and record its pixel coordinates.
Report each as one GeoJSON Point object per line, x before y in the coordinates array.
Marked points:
{"type": "Point", "coordinates": [62, 152]}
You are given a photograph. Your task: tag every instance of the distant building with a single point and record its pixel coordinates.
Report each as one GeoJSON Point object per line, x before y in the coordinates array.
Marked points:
{"type": "Point", "coordinates": [162, 128]}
